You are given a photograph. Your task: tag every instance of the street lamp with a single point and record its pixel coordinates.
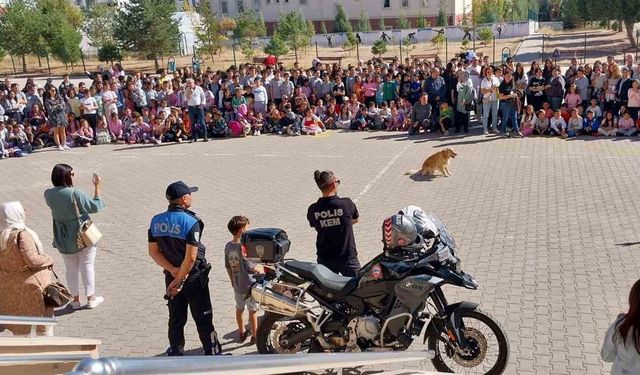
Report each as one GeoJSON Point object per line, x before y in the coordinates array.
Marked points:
{"type": "Point", "coordinates": [230, 34]}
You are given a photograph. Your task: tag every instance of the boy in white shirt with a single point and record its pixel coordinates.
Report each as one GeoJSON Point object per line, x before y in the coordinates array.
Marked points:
{"type": "Point", "coordinates": [557, 124]}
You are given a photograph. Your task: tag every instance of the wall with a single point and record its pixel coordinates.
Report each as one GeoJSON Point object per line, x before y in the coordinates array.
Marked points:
{"type": "Point", "coordinates": [557, 26]}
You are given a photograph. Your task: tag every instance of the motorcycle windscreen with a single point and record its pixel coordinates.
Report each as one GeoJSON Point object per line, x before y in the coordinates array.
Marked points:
{"type": "Point", "coordinates": [445, 236]}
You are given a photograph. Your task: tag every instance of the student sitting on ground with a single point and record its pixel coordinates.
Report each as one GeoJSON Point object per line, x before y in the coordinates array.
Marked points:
{"type": "Point", "coordinates": [216, 125]}
{"type": "Point", "coordinates": [608, 126]}
{"type": "Point", "coordinates": [528, 122]}
{"type": "Point", "coordinates": [557, 124]}
{"type": "Point", "coordinates": [542, 123]}
{"type": "Point", "coordinates": [590, 124]}
{"type": "Point", "coordinates": [574, 125]}
{"type": "Point", "coordinates": [626, 125]}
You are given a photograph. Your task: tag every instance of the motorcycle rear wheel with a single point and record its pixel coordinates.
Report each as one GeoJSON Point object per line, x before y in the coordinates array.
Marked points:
{"type": "Point", "coordinates": [274, 327]}
{"type": "Point", "coordinates": [479, 338]}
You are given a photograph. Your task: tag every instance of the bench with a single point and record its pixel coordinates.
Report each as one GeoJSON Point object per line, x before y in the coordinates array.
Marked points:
{"type": "Point", "coordinates": [326, 59]}
{"type": "Point", "coordinates": [389, 59]}
{"type": "Point", "coordinates": [258, 60]}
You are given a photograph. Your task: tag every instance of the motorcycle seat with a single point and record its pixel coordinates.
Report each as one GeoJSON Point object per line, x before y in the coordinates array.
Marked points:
{"type": "Point", "coordinates": [324, 277]}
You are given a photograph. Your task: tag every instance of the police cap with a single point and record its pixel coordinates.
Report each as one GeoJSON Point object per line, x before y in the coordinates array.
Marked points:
{"type": "Point", "coordinates": [179, 189]}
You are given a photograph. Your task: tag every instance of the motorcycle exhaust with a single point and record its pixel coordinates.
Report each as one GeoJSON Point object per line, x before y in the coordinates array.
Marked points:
{"type": "Point", "coordinates": [299, 337]}
{"type": "Point", "coordinates": [276, 302]}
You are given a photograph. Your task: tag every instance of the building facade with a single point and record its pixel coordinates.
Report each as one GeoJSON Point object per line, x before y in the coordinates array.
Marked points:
{"type": "Point", "coordinates": [324, 10]}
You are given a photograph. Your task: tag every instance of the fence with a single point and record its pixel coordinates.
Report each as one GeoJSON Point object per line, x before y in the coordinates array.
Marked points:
{"type": "Point", "coordinates": [245, 364]}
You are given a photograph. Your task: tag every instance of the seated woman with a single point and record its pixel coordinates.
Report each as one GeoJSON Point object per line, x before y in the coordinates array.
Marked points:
{"type": "Point", "coordinates": [24, 270]}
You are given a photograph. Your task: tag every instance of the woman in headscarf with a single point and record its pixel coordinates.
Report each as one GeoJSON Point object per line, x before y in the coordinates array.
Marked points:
{"type": "Point", "coordinates": [24, 269]}
{"type": "Point", "coordinates": [465, 94]}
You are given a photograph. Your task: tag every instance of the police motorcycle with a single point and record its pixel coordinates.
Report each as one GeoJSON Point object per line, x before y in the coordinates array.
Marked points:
{"type": "Point", "coordinates": [396, 297]}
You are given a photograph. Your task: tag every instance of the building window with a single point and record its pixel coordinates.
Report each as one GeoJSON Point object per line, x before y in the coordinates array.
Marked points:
{"type": "Point", "coordinates": [386, 3]}
{"type": "Point", "coordinates": [224, 7]}
{"type": "Point", "coordinates": [405, 3]}
{"type": "Point", "coordinates": [256, 4]}
{"type": "Point", "coordinates": [303, 2]}
{"type": "Point", "coordinates": [240, 6]}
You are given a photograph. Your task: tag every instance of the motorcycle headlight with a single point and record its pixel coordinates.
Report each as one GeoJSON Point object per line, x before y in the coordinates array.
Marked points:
{"type": "Point", "coordinates": [444, 254]}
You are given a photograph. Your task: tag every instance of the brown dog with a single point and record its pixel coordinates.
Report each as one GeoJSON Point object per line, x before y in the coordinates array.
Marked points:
{"type": "Point", "coordinates": [436, 162]}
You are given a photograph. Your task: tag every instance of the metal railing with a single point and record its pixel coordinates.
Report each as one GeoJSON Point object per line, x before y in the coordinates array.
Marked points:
{"type": "Point", "coordinates": [32, 321]}
{"type": "Point", "coordinates": [243, 364]}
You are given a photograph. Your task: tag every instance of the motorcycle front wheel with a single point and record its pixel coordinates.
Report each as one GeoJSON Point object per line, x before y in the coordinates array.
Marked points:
{"type": "Point", "coordinates": [275, 332]}
{"type": "Point", "coordinates": [489, 347]}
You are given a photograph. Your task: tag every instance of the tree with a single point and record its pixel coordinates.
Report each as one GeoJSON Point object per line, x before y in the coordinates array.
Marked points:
{"type": "Point", "coordinates": [381, 24]}
{"type": "Point", "coordinates": [341, 24]}
{"type": "Point", "coordinates": [292, 28]}
{"type": "Point", "coordinates": [485, 34]}
{"type": "Point", "coordinates": [208, 31]}
{"type": "Point", "coordinates": [489, 11]}
{"type": "Point", "coordinates": [247, 48]}
{"type": "Point", "coordinates": [574, 13]}
{"type": "Point", "coordinates": [66, 46]}
{"type": "Point", "coordinates": [109, 53]}
{"type": "Point", "coordinates": [276, 46]}
{"type": "Point", "coordinates": [59, 23]}
{"type": "Point", "coordinates": [350, 43]}
{"type": "Point", "coordinates": [421, 22]}
{"type": "Point", "coordinates": [147, 27]}
{"type": "Point", "coordinates": [323, 28]}
{"type": "Point", "coordinates": [249, 24]}
{"type": "Point", "coordinates": [311, 29]}
{"type": "Point", "coordinates": [15, 23]}
{"type": "Point", "coordinates": [438, 40]}
{"type": "Point", "coordinates": [379, 47]}
{"type": "Point", "coordinates": [364, 25]}
{"type": "Point", "coordinates": [403, 22]}
{"type": "Point", "coordinates": [442, 16]}
{"type": "Point", "coordinates": [99, 24]}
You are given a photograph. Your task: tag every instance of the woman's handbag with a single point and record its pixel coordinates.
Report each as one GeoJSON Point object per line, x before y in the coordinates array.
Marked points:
{"type": "Point", "coordinates": [88, 234]}
{"type": "Point", "coordinates": [56, 294]}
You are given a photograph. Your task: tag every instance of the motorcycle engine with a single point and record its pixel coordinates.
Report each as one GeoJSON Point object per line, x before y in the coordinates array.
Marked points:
{"type": "Point", "coordinates": [367, 327]}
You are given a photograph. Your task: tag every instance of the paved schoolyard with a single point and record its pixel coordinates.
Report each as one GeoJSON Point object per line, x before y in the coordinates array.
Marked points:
{"type": "Point", "coordinates": [539, 222]}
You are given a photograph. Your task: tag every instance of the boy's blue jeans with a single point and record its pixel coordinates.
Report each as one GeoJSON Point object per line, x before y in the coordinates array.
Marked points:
{"type": "Point", "coordinates": [508, 113]}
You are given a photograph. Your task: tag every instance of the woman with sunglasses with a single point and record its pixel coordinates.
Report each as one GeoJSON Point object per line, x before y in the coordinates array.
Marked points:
{"type": "Point", "coordinates": [333, 218]}
{"type": "Point", "coordinates": [70, 206]}
{"type": "Point", "coordinates": [56, 110]}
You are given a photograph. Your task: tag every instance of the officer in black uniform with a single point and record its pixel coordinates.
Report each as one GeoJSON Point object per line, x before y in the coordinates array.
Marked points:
{"type": "Point", "coordinates": [174, 244]}
{"type": "Point", "coordinates": [333, 218]}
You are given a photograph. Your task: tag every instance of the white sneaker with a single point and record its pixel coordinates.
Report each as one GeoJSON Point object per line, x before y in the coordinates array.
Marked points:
{"type": "Point", "coordinates": [66, 147]}
{"type": "Point", "coordinates": [60, 148]}
{"type": "Point", "coordinates": [76, 305]}
{"type": "Point", "coordinates": [92, 304]}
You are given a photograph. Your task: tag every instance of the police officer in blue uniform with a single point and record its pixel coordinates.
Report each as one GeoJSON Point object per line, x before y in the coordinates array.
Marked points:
{"type": "Point", "coordinates": [174, 244]}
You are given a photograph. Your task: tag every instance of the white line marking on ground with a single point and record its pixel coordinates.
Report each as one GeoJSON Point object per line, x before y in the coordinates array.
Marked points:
{"type": "Point", "coordinates": [220, 154]}
{"type": "Point", "coordinates": [382, 172]}
{"type": "Point", "coordinates": [271, 156]}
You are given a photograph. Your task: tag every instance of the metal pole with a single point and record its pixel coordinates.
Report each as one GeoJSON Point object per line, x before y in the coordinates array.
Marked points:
{"type": "Point", "coordinates": [48, 66]}
{"type": "Point", "coordinates": [542, 47]}
{"type": "Point", "coordinates": [585, 49]}
{"type": "Point", "coordinates": [14, 65]}
{"type": "Point", "coordinates": [401, 49]}
{"type": "Point", "coordinates": [295, 51]}
{"type": "Point", "coordinates": [494, 49]}
{"type": "Point", "coordinates": [358, 50]}
{"type": "Point", "coordinates": [637, 45]}
{"type": "Point", "coordinates": [474, 38]}
{"type": "Point", "coordinates": [233, 44]}
{"type": "Point", "coordinates": [317, 57]}
{"type": "Point", "coordinates": [446, 49]}
{"type": "Point", "coordinates": [84, 67]}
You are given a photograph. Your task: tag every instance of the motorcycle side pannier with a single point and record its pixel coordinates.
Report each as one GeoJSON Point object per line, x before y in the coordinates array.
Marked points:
{"type": "Point", "coordinates": [269, 245]}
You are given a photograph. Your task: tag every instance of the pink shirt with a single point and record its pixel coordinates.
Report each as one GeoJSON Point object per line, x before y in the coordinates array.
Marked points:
{"type": "Point", "coordinates": [625, 123]}
{"type": "Point", "coordinates": [573, 100]}
{"type": "Point", "coordinates": [370, 88]}
{"type": "Point", "coordinates": [115, 127]}
{"type": "Point", "coordinates": [634, 98]}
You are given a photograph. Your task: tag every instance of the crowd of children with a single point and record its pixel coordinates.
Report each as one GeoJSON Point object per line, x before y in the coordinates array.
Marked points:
{"type": "Point", "coordinates": [603, 99]}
